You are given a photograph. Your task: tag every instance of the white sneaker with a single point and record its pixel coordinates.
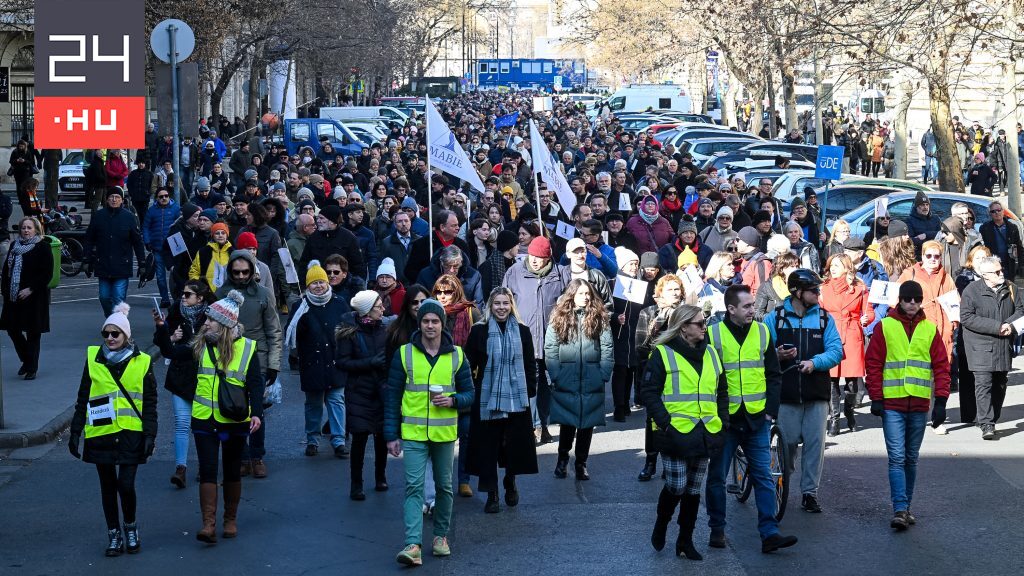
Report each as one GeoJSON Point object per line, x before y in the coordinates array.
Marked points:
{"type": "Point", "coordinates": [940, 430]}
{"type": "Point", "coordinates": [428, 507]}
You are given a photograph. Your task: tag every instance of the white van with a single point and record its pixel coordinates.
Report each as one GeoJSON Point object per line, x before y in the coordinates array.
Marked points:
{"type": "Point", "coordinates": [360, 112]}
{"type": "Point", "coordinates": [640, 97]}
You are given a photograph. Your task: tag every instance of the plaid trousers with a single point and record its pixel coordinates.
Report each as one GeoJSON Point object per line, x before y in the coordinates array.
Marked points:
{"type": "Point", "coordinates": [684, 475]}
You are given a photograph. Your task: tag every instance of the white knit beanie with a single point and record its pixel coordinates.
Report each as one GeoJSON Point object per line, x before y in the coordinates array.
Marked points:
{"type": "Point", "coordinates": [624, 256]}
{"type": "Point", "coordinates": [387, 268]}
{"type": "Point", "coordinates": [724, 210]}
{"type": "Point", "coordinates": [120, 319]}
{"type": "Point", "coordinates": [363, 301]}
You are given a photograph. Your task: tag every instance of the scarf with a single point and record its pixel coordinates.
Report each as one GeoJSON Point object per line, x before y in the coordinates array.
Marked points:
{"type": "Point", "coordinates": [649, 217]}
{"type": "Point", "coordinates": [191, 313]}
{"type": "Point", "coordinates": [462, 313]}
{"type": "Point", "coordinates": [14, 261]}
{"type": "Point", "coordinates": [302, 309]}
{"type": "Point", "coordinates": [503, 390]}
{"type": "Point", "coordinates": [539, 272]}
{"type": "Point", "coordinates": [671, 206]}
{"type": "Point", "coordinates": [117, 356]}
{"type": "Point", "coordinates": [444, 243]}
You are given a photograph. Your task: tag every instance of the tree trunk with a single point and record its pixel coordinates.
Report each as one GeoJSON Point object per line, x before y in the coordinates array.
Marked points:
{"type": "Point", "coordinates": [252, 110]}
{"type": "Point", "coordinates": [769, 86]}
{"type": "Point", "coordinates": [951, 177]}
{"type": "Point", "coordinates": [906, 95]}
{"type": "Point", "coordinates": [789, 96]}
{"type": "Point", "coordinates": [1008, 103]}
{"type": "Point", "coordinates": [729, 105]}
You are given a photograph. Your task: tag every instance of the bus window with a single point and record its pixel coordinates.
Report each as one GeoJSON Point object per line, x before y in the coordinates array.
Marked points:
{"type": "Point", "coordinates": [617, 103]}
{"type": "Point", "coordinates": [866, 106]}
{"type": "Point", "coordinates": [879, 105]}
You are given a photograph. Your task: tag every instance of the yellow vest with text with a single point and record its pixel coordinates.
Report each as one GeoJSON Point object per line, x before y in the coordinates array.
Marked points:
{"type": "Point", "coordinates": [208, 384]}
{"type": "Point", "coordinates": [690, 398]}
{"type": "Point", "coordinates": [421, 420]}
{"type": "Point", "coordinates": [908, 363]}
{"type": "Point", "coordinates": [743, 364]}
{"type": "Point", "coordinates": [104, 387]}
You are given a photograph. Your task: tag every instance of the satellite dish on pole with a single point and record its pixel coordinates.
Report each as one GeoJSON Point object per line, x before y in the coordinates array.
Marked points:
{"type": "Point", "coordinates": [184, 40]}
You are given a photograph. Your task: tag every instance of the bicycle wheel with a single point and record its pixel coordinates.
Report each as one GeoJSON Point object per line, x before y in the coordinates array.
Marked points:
{"type": "Point", "coordinates": [780, 473]}
{"type": "Point", "coordinates": [740, 478]}
{"type": "Point", "coordinates": [71, 252]}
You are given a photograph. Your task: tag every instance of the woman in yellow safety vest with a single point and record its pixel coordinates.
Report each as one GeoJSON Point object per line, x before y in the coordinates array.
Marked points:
{"type": "Point", "coordinates": [686, 394]}
{"type": "Point", "coordinates": [116, 410]}
{"type": "Point", "coordinates": [224, 358]}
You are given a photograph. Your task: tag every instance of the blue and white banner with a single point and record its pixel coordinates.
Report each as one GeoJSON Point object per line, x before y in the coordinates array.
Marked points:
{"type": "Point", "coordinates": [552, 175]}
{"type": "Point", "coordinates": [445, 153]}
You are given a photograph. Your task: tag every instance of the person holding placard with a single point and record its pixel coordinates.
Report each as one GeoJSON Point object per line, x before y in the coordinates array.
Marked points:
{"type": "Point", "coordinates": [624, 318]}
{"type": "Point", "coordinates": [990, 310]}
{"type": "Point", "coordinates": [935, 282]}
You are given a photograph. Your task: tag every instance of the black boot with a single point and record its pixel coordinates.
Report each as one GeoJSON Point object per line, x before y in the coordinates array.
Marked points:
{"type": "Point", "coordinates": [131, 537]}
{"type": "Point", "coordinates": [833, 427]}
{"type": "Point", "coordinates": [116, 545]}
{"type": "Point", "coordinates": [666, 508]}
{"type": "Point", "coordinates": [687, 522]}
{"type": "Point", "coordinates": [511, 491]}
{"type": "Point", "coordinates": [492, 506]}
{"type": "Point", "coordinates": [650, 468]}
{"type": "Point", "coordinates": [581, 471]}
{"type": "Point", "coordinates": [851, 417]}
{"type": "Point", "coordinates": [560, 467]}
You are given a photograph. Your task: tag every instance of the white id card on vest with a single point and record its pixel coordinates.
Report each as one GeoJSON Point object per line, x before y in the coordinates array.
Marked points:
{"type": "Point", "coordinates": [101, 411]}
{"type": "Point", "coordinates": [219, 275]}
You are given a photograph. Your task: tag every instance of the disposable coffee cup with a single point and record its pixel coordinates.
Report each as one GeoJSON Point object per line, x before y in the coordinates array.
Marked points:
{"type": "Point", "coordinates": [435, 391]}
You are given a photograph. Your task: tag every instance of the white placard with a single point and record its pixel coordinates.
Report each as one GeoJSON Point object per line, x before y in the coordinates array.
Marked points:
{"type": "Point", "coordinates": [692, 282]}
{"type": "Point", "coordinates": [881, 206]}
{"type": "Point", "coordinates": [624, 204]}
{"type": "Point", "coordinates": [101, 412]}
{"type": "Point", "coordinates": [219, 275]}
{"type": "Point", "coordinates": [604, 236]}
{"type": "Point", "coordinates": [884, 292]}
{"type": "Point", "coordinates": [631, 289]}
{"type": "Point", "coordinates": [1018, 325]}
{"type": "Point", "coordinates": [565, 230]}
{"type": "Point", "coordinates": [156, 306]}
{"type": "Point", "coordinates": [176, 243]}
{"type": "Point", "coordinates": [289, 267]}
{"type": "Point", "coordinates": [950, 302]}
{"type": "Point", "coordinates": [542, 104]}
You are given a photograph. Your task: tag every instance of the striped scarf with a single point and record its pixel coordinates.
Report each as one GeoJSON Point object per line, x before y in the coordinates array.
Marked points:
{"type": "Point", "coordinates": [503, 389]}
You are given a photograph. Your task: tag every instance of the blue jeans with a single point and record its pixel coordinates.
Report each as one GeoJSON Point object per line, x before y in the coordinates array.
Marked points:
{"type": "Point", "coordinates": [335, 401]}
{"type": "Point", "coordinates": [161, 275]}
{"type": "Point", "coordinates": [463, 447]}
{"type": "Point", "coordinates": [755, 446]}
{"type": "Point", "coordinates": [182, 428]}
{"type": "Point", "coordinates": [903, 433]}
{"type": "Point", "coordinates": [113, 291]}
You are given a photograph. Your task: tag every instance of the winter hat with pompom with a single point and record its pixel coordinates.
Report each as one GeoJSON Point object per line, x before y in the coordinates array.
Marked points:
{"type": "Point", "coordinates": [120, 319]}
{"type": "Point", "coordinates": [225, 310]}
{"type": "Point", "coordinates": [315, 272]}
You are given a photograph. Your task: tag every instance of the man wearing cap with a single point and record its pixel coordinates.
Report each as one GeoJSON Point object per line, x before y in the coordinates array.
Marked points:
{"type": "Point", "coordinates": [762, 222]}
{"type": "Point", "coordinates": [111, 238]}
{"type": "Point", "coordinates": [755, 266]}
{"type": "Point", "coordinates": [247, 241]}
{"type": "Point", "coordinates": [988, 308]}
{"type": "Point", "coordinates": [446, 230]}
{"type": "Point", "coordinates": [258, 316]}
{"type": "Point", "coordinates": [355, 222]}
{"type": "Point", "coordinates": [538, 282]}
{"type": "Point", "coordinates": [156, 226]}
{"type": "Point", "coordinates": [203, 197]}
{"type": "Point", "coordinates": [922, 224]}
{"type": "Point", "coordinates": [330, 238]}
{"type": "Point", "coordinates": [705, 217]}
{"type": "Point", "coordinates": [423, 423]}
{"type": "Point", "coordinates": [686, 239]}
{"type": "Point", "coordinates": [905, 366]}
{"type": "Point", "coordinates": [617, 233]}
{"type": "Point", "coordinates": [720, 236]}
{"type": "Point", "coordinates": [194, 227]}
{"type": "Point", "coordinates": [599, 256]}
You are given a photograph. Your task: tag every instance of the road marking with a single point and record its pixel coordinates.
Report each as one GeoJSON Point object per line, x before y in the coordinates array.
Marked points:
{"type": "Point", "coordinates": [97, 298]}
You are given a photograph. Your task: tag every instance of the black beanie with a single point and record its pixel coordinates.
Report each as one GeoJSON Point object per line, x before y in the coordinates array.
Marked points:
{"type": "Point", "coordinates": [911, 289]}
{"type": "Point", "coordinates": [506, 240]}
{"type": "Point", "coordinates": [188, 210]}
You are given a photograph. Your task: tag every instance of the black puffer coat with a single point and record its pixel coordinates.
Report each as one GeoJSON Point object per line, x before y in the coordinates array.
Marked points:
{"type": "Point", "coordinates": [361, 356]}
{"type": "Point", "coordinates": [314, 343]}
{"type": "Point", "coordinates": [126, 446]}
{"type": "Point", "coordinates": [181, 373]}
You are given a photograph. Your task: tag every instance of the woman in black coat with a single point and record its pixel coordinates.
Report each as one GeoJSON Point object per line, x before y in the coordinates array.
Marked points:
{"type": "Point", "coordinates": [117, 411]}
{"type": "Point", "coordinates": [360, 355]}
{"type": "Point", "coordinates": [501, 426]}
{"type": "Point", "coordinates": [25, 278]}
{"type": "Point", "coordinates": [183, 322]}
{"type": "Point", "coordinates": [624, 318]}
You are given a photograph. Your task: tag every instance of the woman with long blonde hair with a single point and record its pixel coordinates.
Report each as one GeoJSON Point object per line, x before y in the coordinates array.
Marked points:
{"type": "Point", "coordinates": [896, 254]}
{"type": "Point", "coordinates": [579, 356]}
{"type": "Point", "coordinates": [845, 297]}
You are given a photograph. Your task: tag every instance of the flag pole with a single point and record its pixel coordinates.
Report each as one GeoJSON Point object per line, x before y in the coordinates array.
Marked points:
{"type": "Point", "coordinates": [536, 183]}
{"type": "Point", "coordinates": [430, 186]}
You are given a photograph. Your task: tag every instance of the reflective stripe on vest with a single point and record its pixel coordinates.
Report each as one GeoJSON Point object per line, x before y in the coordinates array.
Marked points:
{"type": "Point", "coordinates": [690, 398]}
{"type": "Point", "coordinates": [104, 389]}
{"type": "Point", "coordinates": [908, 363]}
{"type": "Point", "coordinates": [745, 373]}
{"type": "Point", "coordinates": [421, 420]}
{"type": "Point", "coordinates": [204, 404]}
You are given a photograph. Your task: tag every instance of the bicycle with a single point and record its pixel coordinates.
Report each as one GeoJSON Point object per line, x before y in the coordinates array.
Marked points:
{"type": "Point", "coordinates": [66, 226]}
{"type": "Point", "coordinates": [741, 486]}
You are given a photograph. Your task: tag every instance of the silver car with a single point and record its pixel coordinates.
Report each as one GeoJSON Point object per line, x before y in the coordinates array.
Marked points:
{"type": "Point", "coordinates": [901, 203]}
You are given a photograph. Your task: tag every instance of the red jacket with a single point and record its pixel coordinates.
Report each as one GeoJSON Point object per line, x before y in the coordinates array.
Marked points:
{"type": "Point", "coordinates": [875, 360]}
{"type": "Point", "coordinates": [117, 170]}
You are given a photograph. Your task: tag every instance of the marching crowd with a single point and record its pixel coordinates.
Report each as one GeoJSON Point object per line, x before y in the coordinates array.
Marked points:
{"type": "Point", "coordinates": [444, 320]}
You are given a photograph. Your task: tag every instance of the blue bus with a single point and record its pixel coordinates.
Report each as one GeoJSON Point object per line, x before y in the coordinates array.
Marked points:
{"type": "Point", "coordinates": [536, 73]}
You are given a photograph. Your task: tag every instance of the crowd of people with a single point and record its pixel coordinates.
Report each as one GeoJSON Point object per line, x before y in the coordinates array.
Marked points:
{"type": "Point", "coordinates": [444, 320]}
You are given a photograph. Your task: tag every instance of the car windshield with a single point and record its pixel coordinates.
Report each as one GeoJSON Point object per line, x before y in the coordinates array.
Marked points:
{"type": "Point", "coordinates": [74, 158]}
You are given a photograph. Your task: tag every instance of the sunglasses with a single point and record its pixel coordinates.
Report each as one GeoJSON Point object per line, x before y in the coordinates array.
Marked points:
{"type": "Point", "coordinates": [913, 300]}
{"type": "Point", "coordinates": [696, 323]}
{"type": "Point", "coordinates": [933, 256]}
{"type": "Point", "coordinates": [333, 272]}
{"type": "Point", "coordinates": [187, 294]}
{"type": "Point", "coordinates": [997, 211]}
{"type": "Point", "coordinates": [444, 292]}
{"type": "Point", "coordinates": [418, 300]}
{"type": "Point", "coordinates": [111, 333]}
{"type": "Point", "coordinates": [241, 272]}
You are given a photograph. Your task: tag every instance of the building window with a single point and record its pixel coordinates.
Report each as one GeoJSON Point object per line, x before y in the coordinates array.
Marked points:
{"type": "Point", "coordinates": [22, 112]}
{"type": "Point", "coordinates": [504, 67]}
{"type": "Point", "coordinates": [515, 63]}
{"type": "Point", "coordinates": [494, 68]}
{"type": "Point", "coordinates": [548, 68]}
{"type": "Point", "coordinates": [483, 67]}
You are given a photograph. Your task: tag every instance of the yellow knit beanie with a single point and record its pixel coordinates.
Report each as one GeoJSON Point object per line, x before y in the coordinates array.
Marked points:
{"type": "Point", "coordinates": [315, 272]}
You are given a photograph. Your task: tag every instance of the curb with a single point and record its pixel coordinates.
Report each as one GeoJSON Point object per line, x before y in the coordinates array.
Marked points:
{"type": "Point", "coordinates": [47, 433]}
{"type": "Point", "coordinates": [53, 429]}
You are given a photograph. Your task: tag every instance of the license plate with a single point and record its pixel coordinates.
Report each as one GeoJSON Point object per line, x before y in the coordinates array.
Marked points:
{"type": "Point", "coordinates": [73, 186]}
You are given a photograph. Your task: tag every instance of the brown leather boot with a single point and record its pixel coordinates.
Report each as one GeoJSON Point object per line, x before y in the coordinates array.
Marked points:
{"type": "Point", "coordinates": [208, 506]}
{"type": "Point", "coordinates": [232, 494]}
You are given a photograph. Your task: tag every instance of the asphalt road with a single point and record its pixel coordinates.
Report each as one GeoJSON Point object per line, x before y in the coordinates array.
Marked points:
{"type": "Point", "coordinates": [300, 521]}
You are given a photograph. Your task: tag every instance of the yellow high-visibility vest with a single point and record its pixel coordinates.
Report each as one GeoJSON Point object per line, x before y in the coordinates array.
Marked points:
{"type": "Point", "coordinates": [120, 415]}
{"type": "Point", "coordinates": [690, 398]}
{"type": "Point", "coordinates": [744, 365]}
{"type": "Point", "coordinates": [908, 363]}
{"type": "Point", "coordinates": [208, 384]}
{"type": "Point", "coordinates": [421, 420]}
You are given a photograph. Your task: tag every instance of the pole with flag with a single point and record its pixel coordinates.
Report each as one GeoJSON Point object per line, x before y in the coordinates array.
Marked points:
{"type": "Point", "coordinates": [544, 164]}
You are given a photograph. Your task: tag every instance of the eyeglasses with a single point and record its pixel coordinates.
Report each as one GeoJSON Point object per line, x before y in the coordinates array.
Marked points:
{"type": "Point", "coordinates": [111, 333]}
{"type": "Point", "coordinates": [444, 292]}
{"type": "Point", "coordinates": [333, 272]}
{"type": "Point", "coordinates": [418, 300]}
{"type": "Point", "coordinates": [995, 211]}
{"type": "Point", "coordinates": [993, 272]}
{"type": "Point", "coordinates": [241, 272]}
{"type": "Point", "coordinates": [933, 256]}
{"type": "Point", "coordinates": [725, 217]}
{"type": "Point", "coordinates": [884, 218]}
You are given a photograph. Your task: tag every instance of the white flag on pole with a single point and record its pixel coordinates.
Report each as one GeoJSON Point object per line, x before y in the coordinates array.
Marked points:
{"type": "Point", "coordinates": [444, 150]}
{"type": "Point", "coordinates": [552, 175]}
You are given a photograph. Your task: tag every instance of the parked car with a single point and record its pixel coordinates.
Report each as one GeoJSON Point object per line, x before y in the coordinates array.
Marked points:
{"type": "Point", "coordinates": [809, 153]}
{"type": "Point", "coordinates": [739, 157]}
{"type": "Point", "coordinates": [793, 183]}
{"type": "Point", "coordinates": [300, 132]}
{"type": "Point", "coordinates": [706, 131]}
{"type": "Point", "coordinates": [862, 217]}
{"type": "Point", "coordinates": [71, 177]}
{"type": "Point", "coordinates": [702, 149]}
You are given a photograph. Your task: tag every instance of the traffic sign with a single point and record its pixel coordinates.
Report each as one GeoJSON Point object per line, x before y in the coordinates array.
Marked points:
{"type": "Point", "coordinates": [830, 162]}
{"type": "Point", "coordinates": [184, 40]}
